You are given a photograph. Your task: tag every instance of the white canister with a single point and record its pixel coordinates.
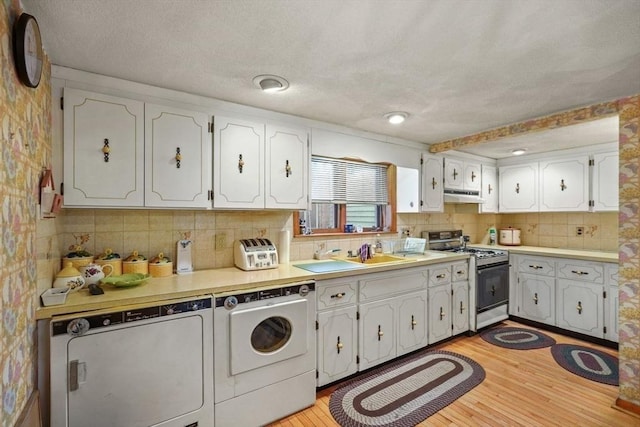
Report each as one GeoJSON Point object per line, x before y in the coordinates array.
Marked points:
{"type": "Point", "coordinates": [510, 236]}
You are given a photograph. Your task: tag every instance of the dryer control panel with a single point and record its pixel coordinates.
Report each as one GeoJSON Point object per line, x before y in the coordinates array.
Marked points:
{"type": "Point", "coordinates": [231, 301]}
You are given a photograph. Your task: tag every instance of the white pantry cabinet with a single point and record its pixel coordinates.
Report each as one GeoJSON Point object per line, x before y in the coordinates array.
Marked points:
{"type": "Point", "coordinates": [489, 192]}
{"type": "Point", "coordinates": [461, 175]}
{"type": "Point", "coordinates": [177, 157]}
{"type": "Point", "coordinates": [259, 166]}
{"type": "Point", "coordinates": [519, 188]}
{"type": "Point", "coordinates": [103, 150]}
{"type": "Point", "coordinates": [564, 184]}
{"type": "Point", "coordinates": [432, 189]}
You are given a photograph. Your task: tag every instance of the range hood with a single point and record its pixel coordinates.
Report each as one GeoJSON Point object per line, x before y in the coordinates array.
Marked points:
{"type": "Point", "coordinates": [461, 196]}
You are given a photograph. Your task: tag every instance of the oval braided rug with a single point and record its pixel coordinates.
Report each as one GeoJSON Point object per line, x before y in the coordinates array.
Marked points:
{"type": "Point", "coordinates": [586, 362]}
{"type": "Point", "coordinates": [406, 392]}
{"type": "Point", "coordinates": [517, 338]}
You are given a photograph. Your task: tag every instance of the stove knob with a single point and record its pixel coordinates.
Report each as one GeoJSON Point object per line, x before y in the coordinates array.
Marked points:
{"type": "Point", "coordinates": [78, 327]}
{"type": "Point", "coordinates": [304, 290]}
{"type": "Point", "coordinates": [106, 322]}
{"type": "Point", "coordinates": [231, 302]}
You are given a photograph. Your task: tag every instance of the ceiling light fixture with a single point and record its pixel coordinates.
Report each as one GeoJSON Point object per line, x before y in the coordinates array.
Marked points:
{"type": "Point", "coordinates": [270, 83]}
{"type": "Point", "coordinates": [396, 117]}
{"type": "Point", "coordinates": [518, 151]}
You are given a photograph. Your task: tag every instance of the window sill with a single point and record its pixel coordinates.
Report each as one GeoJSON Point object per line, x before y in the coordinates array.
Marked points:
{"type": "Point", "coordinates": [351, 235]}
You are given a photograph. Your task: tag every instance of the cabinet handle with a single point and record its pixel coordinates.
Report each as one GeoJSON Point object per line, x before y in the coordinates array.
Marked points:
{"type": "Point", "coordinates": [535, 298]}
{"type": "Point", "coordinates": [493, 291]}
{"type": "Point", "coordinates": [535, 267]}
{"type": "Point", "coordinates": [380, 333]}
{"type": "Point", "coordinates": [338, 295]}
{"type": "Point", "coordinates": [441, 276]}
{"type": "Point", "coordinates": [339, 345]}
{"type": "Point", "coordinates": [562, 186]}
{"type": "Point", "coordinates": [518, 188]}
{"type": "Point", "coordinates": [178, 157]}
{"type": "Point", "coordinates": [460, 272]}
{"type": "Point", "coordinates": [106, 150]}
{"type": "Point", "coordinates": [442, 314]}
{"type": "Point", "coordinates": [240, 163]}
{"type": "Point", "coordinates": [579, 307]}
{"type": "Point", "coordinates": [489, 188]}
{"type": "Point", "coordinates": [461, 307]}
{"type": "Point", "coordinates": [580, 273]}
{"type": "Point", "coordinates": [73, 375]}
{"type": "Point", "coordinates": [455, 174]}
{"type": "Point", "coordinates": [287, 168]}
{"type": "Point", "coordinates": [433, 182]}
{"type": "Point", "coordinates": [413, 323]}
{"type": "Point", "coordinates": [473, 176]}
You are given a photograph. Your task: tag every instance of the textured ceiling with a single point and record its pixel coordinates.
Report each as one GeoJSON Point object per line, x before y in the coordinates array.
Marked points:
{"type": "Point", "coordinates": [458, 67]}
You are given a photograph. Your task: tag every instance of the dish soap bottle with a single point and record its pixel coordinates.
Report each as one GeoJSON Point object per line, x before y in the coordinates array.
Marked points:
{"type": "Point", "coordinates": [492, 236]}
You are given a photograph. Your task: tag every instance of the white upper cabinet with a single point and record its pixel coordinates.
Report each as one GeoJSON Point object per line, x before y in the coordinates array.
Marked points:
{"type": "Point", "coordinates": [287, 168]}
{"type": "Point", "coordinates": [407, 190]}
{"type": "Point", "coordinates": [489, 189]}
{"type": "Point", "coordinates": [605, 182]}
{"type": "Point", "coordinates": [252, 171]}
{"type": "Point", "coordinates": [432, 191]}
{"type": "Point", "coordinates": [177, 157]}
{"type": "Point", "coordinates": [564, 184]}
{"type": "Point", "coordinates": [103, 150]}
{"type": "Point", "coordinates": [519, 188]}
{"type": "Point", "coordinates": [472, 176]}
{"type": "Point", "coordinates": [461, 175]}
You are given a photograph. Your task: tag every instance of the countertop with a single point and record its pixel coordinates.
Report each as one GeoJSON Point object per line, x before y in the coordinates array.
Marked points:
{"type": "Point", "coordinates": [219, 281]}
{"type": "Point", "coordinates": [579, 254]}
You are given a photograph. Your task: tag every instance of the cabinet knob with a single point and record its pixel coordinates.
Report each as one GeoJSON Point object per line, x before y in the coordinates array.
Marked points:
{"type": "Point", "coordinates": [178, 157]}
{"type": "Point", "coordinates": [562, 186]}
{"type": "Point", "coordinates": [442, 313]}
{"type": "Point", "coordinates": [461, 307]}
{"type": "Point", "coordinates": [240, 163]}
{"type": "Point", "coordinates": [489, 188]}
{"type": "Point", "coordinates": [455, 174]}
{"type": "Point", "coordinates": [413, 322]}
{"type": "Point", "coordinates": [441, 276]}
{"type": "Point", "coordinates": [106, 150]}
{"type": "Point", "coordinates": [287, 168]}
{"type": "Point", "coordinates": [473, 176]}
{"type": "Point", "coordinates": [339, 345]}
{"type": "Point", "coordinates": [518, 188]}
{"type": "Point", "coordinates": [535, 298]}
{"type": "Point", "coordinates": [580, 273]}
{"type": "Point", "coordinates": [380, 332]}
{"type": "Point", "coordinates": [579, 307]}
{"type": "Point", "coordinates": [338, 295]}
{"type": "Point", "coordinates": [433, 182]}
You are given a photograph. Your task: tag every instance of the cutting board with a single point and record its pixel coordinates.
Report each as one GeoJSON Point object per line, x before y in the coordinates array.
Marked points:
{"type": "Point", "coordinates": [329, 266]}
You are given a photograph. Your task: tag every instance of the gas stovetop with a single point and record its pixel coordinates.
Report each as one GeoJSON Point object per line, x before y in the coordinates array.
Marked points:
{"type": "Point", "coordinates": [455, 241]}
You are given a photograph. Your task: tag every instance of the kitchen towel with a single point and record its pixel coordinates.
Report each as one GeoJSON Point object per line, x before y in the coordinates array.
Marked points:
{"type": "Point", "coordinates": [284, 246]}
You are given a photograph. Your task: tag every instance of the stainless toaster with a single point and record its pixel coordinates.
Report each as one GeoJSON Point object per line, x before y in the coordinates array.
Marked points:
{"type": "Point", "coordinates": [255, 254]}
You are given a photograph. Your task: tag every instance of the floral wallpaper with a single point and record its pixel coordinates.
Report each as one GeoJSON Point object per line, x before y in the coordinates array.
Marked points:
{"type": "Point", "coordinates": [628, 110]}
{"type": "Point", "coordinates": [25, 148]}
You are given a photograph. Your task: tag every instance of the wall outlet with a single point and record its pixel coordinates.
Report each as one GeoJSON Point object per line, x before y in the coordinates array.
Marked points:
{"type": "Point", "coordinates": [579, 231]}
{"type": "Point", "coordinates": [221, 241]}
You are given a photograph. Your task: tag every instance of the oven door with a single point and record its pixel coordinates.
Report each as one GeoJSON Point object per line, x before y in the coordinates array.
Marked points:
{"type": "Point", "coordinates": [492, 286]}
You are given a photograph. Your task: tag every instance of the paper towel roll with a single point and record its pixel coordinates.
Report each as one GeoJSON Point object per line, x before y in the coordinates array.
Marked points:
{"type": "Point", "coordinates": [284, 246]}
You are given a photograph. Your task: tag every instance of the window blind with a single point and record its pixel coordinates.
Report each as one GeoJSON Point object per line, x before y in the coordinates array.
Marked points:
{"type": "Point", "coordinates": [342, 181]}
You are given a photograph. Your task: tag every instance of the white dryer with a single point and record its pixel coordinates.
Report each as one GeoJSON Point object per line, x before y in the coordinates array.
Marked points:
{"type": "Point", "coordinates": [264, 351]}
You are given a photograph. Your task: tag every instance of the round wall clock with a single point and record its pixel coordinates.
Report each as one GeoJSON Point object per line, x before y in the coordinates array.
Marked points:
{"type": "Point", "coordinates": [27, 49]}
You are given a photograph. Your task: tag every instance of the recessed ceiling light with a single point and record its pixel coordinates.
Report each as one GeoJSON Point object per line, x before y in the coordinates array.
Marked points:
{"type": "Point", "coordinates": [270, 83]}
{"type": "Point", "coordinates": [396, 117]}
{"type": "Point", "coordinates": [518, 151]}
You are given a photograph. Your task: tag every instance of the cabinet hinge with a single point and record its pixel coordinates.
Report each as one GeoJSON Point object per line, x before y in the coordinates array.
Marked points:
{"type": "Point", "coordinates": [317, 374]}
{"type": "Point", "coordinates": [421, 161]}
{"type": "Point", "coordinates": [317, 325]}
{"type": "Point", "coordinates": [592, 203]}
{"type": "Point", "coordinates": [452, 294]}
{"type": "Point", "coordinates": [210, 125]}
{"type": "Point", "coordinates": [210, 195]}
{"type": "Point", "coordinates": [357, 315]}
{"type": "Point", "coordinates": [62, 188]}
{"type": "Point", "coordinates": [452, 326]}
{"type": "Point", "coordinates": [604, 329]}
{"type": "Point", "coordinates": [421, 203]}
{"type": "Point", "coordinates": [604, 294]}
{"type": "Point", "coordinates": [592, 162]}
{"type": "Point", "coordinates": [357, 359]}
{"type": "Point", "coordinates": [62, 102]}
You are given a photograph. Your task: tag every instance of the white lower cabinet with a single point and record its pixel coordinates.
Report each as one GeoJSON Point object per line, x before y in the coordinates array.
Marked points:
{"type": "Point", "coordinates": [377, 332]}
{"type": "Point", "coordinates": [439, 313]}
{"type": "Point", "coordinates": [460, 307]}
{"type": "Point", "coordinates": [337, 344]}
{"type": "Point", "coordinates": [536, 299]}
{"type": "Point", "coordinates": [580, 307]}
{"type": "Point", "coordinates": [412, 322]}
{"type": "Point", "coordinates": [448, 301]}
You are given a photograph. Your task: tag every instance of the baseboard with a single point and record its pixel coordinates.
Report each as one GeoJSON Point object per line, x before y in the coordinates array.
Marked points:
{"type": "Point", "coordinates": [557, 330]}
{"type": "Point", "coordinates": [628, 407]}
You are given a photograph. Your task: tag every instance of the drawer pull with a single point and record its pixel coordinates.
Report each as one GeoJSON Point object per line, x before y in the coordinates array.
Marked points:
{"type": "Point", "coordinates": [413, 322]}
{"type": "Point", "coordinates": [380, 333]}
{"type": "Point", "coordinates": [535, 267]}
{"type": "Point", "coordinates": [535, 298]}
{"type": "Point", "coordinates": [579, 307]}
{"type": "Point", "coordinates": [441, 276]}
{"type": "Point", "coordinates": [455, 174]}
{"type": "Point", "coordinates": [580, 273]}
{"type": "Point", "coordinates": [442, 314]}
{"type": "Point", "coordinates": [338, 295]}
{"type": "Point", "coordinates": [339, 345]}
{"type": "Point", "coordinates": [460, 272]}
{"type": "Point", "coordinates": [461, 307]}
{"type": "Point", "coordinates": [73, 375]}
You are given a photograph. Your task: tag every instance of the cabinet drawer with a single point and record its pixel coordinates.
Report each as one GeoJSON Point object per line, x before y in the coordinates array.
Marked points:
{"type": "Point", "coordinates": [536, 265]}
{"type": "Point", "coordinates": [440, 275]}
{"type": "Point", "coordinates": [388, 284]}
{"type": "Point", "coordinates": [582, 271]}
{"type": "Point", "coordinates": [460, 271]}
{"type": "Point", "coordinates": [336, 293]}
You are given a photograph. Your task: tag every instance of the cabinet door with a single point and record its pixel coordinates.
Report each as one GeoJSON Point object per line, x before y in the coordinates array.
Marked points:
{"type": "Point", "coordinates": [238, 164]}
{"type": "Point", "coordinates": [519, 188]}
{"type": "Point", "coordinates": [93, 124]}
{"type": "Point", "coordinates": [412, 322]}
{"type": "Point", "coordinates": [453, 174]}
{"type": "Point", "coordinates": [287, 168]}
{"type": "Point", "coordinates": [439, 313]}
{"type": "Point", "coordinates": [580, 307]}
{"type": "Point", "coordinates": [460, 307]}
{"type": "Point", "coordinates": [564, 185]}
{"type": "Point", "coordinates": [177, 157]}
{"type": "Point", "coordinates": [489, 190]}
{"type": "Point", "coordinates": [377, 333]}
{"type": "Point", "coordinates": [537, 298]}
{"type": "Point", "coordinates": [407, 190]}
{"type": "Point", "coordinates": [471, 179]}
{"type": "Point", "coordinates": [432, 191]}
{"type": "Point", "coordinates": [605, 182]}
{"type": "Point", "coordinates": [337, 344]}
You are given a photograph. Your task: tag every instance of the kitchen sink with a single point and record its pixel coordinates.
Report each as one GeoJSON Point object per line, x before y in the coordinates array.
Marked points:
{"type": "Point", "coordinates": [379, 259]}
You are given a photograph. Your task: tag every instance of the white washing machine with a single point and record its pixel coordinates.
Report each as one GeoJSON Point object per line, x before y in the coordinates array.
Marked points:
{"type": "Point", "coordinates": [264, 351]}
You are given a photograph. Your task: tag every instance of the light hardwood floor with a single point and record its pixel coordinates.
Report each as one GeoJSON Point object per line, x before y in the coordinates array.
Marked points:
{"type": "Point", "coordinates": [521, 388]}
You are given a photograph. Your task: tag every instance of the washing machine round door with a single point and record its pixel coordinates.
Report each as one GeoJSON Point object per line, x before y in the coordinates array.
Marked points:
{"type": "Point", "coordinates": [271, 334]}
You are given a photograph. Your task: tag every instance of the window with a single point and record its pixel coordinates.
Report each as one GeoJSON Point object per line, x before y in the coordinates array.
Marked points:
{"type": "Point", "coordinates": [345, 196]}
